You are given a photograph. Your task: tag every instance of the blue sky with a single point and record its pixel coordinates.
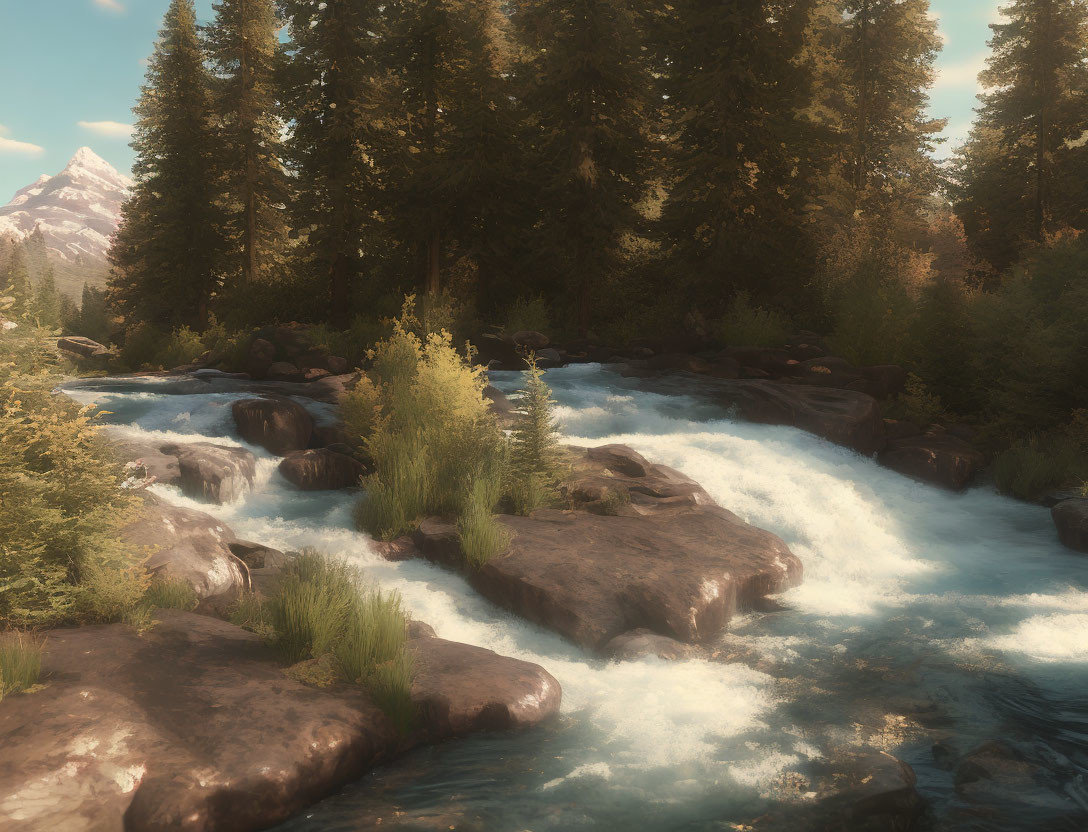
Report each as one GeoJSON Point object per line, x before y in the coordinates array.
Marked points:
{"type": "Point", "coordinates": [72, 70]}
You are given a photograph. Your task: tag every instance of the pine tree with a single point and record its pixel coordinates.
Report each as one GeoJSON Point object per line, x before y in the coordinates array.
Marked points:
{"type": "Point", "coordinates": [1020, 176]}
{"type": "Point", "coordinates": [878, 81]}
{"type": "Point", "coordinates": [534, 444]}
{"type": "Point", "coordinates": [46, 307]}
{"type": "Point", "coordinates": [587, 92]}
{"type": "Point", "coordinates": [334, 100]}
{"type": "Point", "coordinates": [165, 252]}
{"type": "Point", "coordinates": [735, 89]}
{"type": "Point", "coordinates": [16, 281]}
{"type": "Point", "coordinates": [243, 49]}
{"type": "Point", "coordinates": [446, 180]}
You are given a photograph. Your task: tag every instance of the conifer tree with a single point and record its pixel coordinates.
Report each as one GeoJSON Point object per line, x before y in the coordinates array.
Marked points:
{"type": "Point", "coordinates": [333, 96]}
{"type": "Point", "coordinates": [46, 307]}
{"type": "Point", "coordinates": [738, 186]}
{"type": "Point", "coordinates": [16, 281]}
{"type": "Point", "coordinates": [243, 48]}
{"type": "Point", "coordinates": [587, 92]}
{"type": "Point", "coordinates": [165, 252]}
{"type": "Point", "coordinates": [534, 444]}
{"type": "Point", "coordinates": [1021, 174]}
{"type": "Point", "coordinates": [447, 178]}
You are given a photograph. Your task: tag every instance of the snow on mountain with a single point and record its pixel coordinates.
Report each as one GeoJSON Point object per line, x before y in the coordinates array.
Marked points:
{"type": "Point", "coordinates": [77, 210]}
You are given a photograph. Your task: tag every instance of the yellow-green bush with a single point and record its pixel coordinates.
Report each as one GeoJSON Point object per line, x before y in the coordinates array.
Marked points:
{"type": "Point", "coordinates": [432, 433]}
{"type": "Point", "coordinates": [61, 505]}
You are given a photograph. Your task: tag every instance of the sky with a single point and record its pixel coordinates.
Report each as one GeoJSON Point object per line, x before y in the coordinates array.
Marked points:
{"type": "Point", "coordinates": [72, 70]}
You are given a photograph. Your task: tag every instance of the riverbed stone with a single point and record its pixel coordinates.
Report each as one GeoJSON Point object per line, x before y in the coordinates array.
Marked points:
{"type": "Point", "coordinates": [188, 545]}
{"type": "Point", "coordinates": [277, 424]}
{"type": "Point", "coordinates": [193, 725]}
{"type": "Point", "coordinates": [936, 457]}
{"type": "Point", "coordinates": [643, 643]}
{"type": "Point", "coordinates": [213, 473]}
{"type": "Point", "coordinates": [321, 469]}
{"type": "Point", "coordinates": [1071, 520]}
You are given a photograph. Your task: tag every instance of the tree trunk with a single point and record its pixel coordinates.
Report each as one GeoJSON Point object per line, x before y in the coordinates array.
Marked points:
{"type": "Point", "coordinates": [434, 262]}
{"type": "Point", "coordinates": [862, 126]}
{"type": "Point", "coordinates": [339, 279]}
{"type": "Point", "coordinates": [249, 268]}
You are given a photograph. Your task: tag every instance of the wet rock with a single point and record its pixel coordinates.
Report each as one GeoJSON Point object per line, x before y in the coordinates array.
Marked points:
{"type": "Point", "coordinates": [321, 469]}
{"type": "Point", "coordinates": [188, 545]}
{"type": "Point", "coordinates": [641, 643]}
{"type": "Point", "coordinates": [277, 424]}
{"type": "Point", "coordinates": [213, 473]}
{"type": "Point", "coordinates": [500, 350]}
{"type": "Point", "coordinates": [149, 457]}
{"type": "Point", "coordinates": [284, 371]}
{"type": "Point", "coordinates": [1071, 520]}
{"type": "Point", "coordinates": [993, 767]}
{"type": "Point", "coordinates": [620, 459]}
{"type": "Point", "coordinates": [775, 362]}
{"type": "Point", "coordinates": [548, 359]}
{"type": "Point", "coordinates": [530, 339]}
{"type": "Point", "coordinates": [83, 347]}
{"type": "Point", "coordinates": [500, 406]}
{"type": "Point", "coordinates": [937, 457]}
{"type": "Point", "coordinates": [193, 725]}
{"type": "Point", "coordinates": [845, 417]}
{"type": "Point", "coordinates": [460, 689]}
{"type": "Point", "coordinates": [896, 429]}
{"type": "Point", "coordinates": [263, 562]}
{"type": "Point", "coordinates": [259, 358]}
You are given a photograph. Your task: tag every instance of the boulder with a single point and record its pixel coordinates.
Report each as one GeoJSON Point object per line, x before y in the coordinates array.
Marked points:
{"type": "Point", "coordinates": [321, 469]}
{"type": "Point", "coordinates": [530, 339]}
{"type": "Point", "coordinates": [501, 350]}
{"type": "Point", "coordinates": [937, 457]}
{"type": "Point", "coordinates": [149, 457]}
{"type": "Point", "coordinates": [500, 406]}
{"type": "Point", "coordinates": [83, 347]}
{"type": "Point", "coordinates": [1071, 521]}
{"type": "Point", "coordinates": [548, 358]}
{"type": "Point", "coordinates": [263, 562]}
{"type": "Point", "coordinates": [285, 371]}
{"type": "Point", "coordinates": [260, 357]}
{"type": "Point", "coordinates": [315, 374]}
{"type": "Point", "coordinates": [991, 768]}
{"type": "Point", "coordinates": [213, 473]}
{"type": "Point", "coordinates": [845, 417]}
{"type": "Point", "coordinates": [188, 545]}
{"type": "Point", "coordinates": [643, 643]}
{"type": "Point", "coordinates": [884, 380]}
{"type": "Point", "coordinates": [775, 362]}
{"type": "Point", "coordinates": [671, 562]}
{"type": "Point", "coordinates": [194, 725]}
{"type": "Point", "coordinates": [277, 424]}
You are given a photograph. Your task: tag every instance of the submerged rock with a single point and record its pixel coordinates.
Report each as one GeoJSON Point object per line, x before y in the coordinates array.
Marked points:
{"type": "Point", "coordinates": [194, 725]}
{"type": "Point", "coordinates": [1071, 521]}
{"type": "Point", "coordinates": [276, 424]}
{"type": "Point", "coordinates": [638, 644]}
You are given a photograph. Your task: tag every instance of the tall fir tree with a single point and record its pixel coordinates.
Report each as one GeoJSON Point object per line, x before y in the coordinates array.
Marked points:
{"type": "Point", "coordinates": [47, 306]}
{"type": "Point", "coordinates": [738, 185]}
{"type": "Point", "coordinates": [16, 280]}
{"type": "Point", "coordinates": [165, 252]}
{"type": "Point", "coordinates": [334, 100]}
{"type": "Point", "coordinates": [449, 182]}
{"type": "Point", "coordinates": [244, 53]}
{"type": "Point", "coordinates": [588, 96]}
{"type": "Point", "coordinates": [1022, 172]}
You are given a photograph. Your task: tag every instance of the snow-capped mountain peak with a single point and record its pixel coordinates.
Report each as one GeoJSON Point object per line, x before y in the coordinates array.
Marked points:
{"type": "Point", "coordinates": [77, 210]}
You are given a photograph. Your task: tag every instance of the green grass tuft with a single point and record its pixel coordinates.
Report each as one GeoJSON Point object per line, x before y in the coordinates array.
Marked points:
{"type": "Point", "coordinates": [171, 594]}
{"type": "Point", "coordinates": [20, 662]}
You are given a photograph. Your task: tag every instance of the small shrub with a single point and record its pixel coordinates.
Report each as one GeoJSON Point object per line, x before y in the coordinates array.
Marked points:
{"type": "Point", "coordinates": [249, 613]}
{"type": "Point", "coordinates": [181, 347]}
{"type": "Point", "coordinates": [534, 445]}
{"type": "Point", "coordinates": [20, 662]}
{"type": "Point", "coordinates": [308, 611]}
{"type": "Point", "coordinates": [1031, 468]}
{"type": "Point", "coordinates": [111, 587]}
{"type": "Point", "coordinates": [528, 313]}
{"type": "Point", "coordinates": [171, 594]}
{"type": "Point", "coordinates": [142, 346]}
{"type": "Point", "coordinates": [916, 404]}
{"type": "Point", "coordinates": [612, 504]}
{"type": "Point", "coordinates": [747, 325]}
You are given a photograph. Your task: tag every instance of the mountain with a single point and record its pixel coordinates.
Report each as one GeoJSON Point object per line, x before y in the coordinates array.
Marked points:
{"type": "Point", "coordinates": [76, 213]}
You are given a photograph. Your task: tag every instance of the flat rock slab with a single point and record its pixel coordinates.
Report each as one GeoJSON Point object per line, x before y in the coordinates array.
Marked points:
{"type": "Point", "coordinates": [937, 458]}
{"type": "Point", "coordinates": [1071, 521]}
{"type": "Point", "coordinates": [194, 726]}
{"type": "Point", "coordinates": [845, 417]}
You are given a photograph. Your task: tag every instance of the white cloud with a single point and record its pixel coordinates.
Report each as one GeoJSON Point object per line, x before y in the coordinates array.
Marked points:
{"type": "Point", "coordinates": [109, 129]}
{"type": "Point", "coordinates": [21, 148]}
{"type": "Point", "coordinates": [961, 74]}
{"type": "Point", "coordinates": [109, 5]}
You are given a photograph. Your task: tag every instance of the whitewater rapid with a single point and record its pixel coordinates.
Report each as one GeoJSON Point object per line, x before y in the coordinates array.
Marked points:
{"type": "Point", "coordinates": [914, 600]}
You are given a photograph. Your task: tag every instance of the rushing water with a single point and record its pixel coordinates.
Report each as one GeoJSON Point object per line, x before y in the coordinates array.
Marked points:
{"type": "Point", "coordinates": [925, 618]}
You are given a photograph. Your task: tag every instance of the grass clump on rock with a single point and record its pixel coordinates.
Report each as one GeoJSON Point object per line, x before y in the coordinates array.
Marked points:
{"type": "Point", "coordinates": [423, 419]}
{"type": "Point", "coordinates": [323, 614]}
{"type": "Point", "coordinates": [171, 594]}
{"type": "Point", "coordinates": [20, 662]}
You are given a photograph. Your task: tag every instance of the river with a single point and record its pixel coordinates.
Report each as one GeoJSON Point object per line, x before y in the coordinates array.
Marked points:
{"type": "Point", "coordinates": [925, 619]}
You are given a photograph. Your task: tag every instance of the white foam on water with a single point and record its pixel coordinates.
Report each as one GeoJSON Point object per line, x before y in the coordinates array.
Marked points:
{"type": "Point", "coordinates": [1047, 638]}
